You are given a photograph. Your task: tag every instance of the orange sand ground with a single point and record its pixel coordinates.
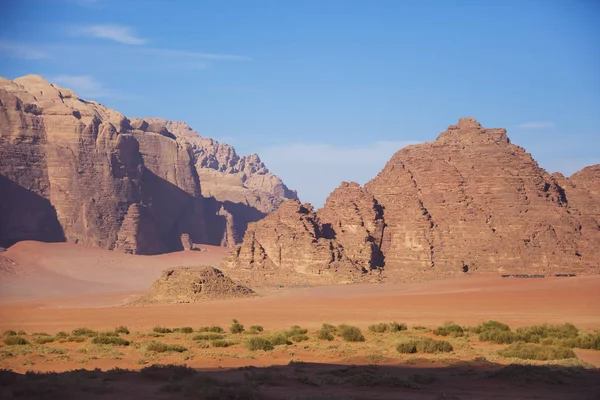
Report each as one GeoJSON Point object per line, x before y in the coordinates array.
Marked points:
{"type": "Point", "coordinates": [72, 285]}
{"type": "Point", "coordinates": [54, 287]}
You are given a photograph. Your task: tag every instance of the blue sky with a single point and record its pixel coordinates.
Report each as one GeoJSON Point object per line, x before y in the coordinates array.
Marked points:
{"type": "Point", "coordinates": [327, 90]}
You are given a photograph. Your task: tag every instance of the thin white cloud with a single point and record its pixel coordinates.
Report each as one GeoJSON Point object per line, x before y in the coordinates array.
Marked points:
{"type": "Point", "coordinates": [193, 54]}
{"type": "Point", "coordinates": [536, 125]}
{"type": "Point", "coordinates": [316, 169]}
{"type": "Point", "coordinates": [117, 33]}
{"type": "Point", "coordinates": [84, 85]}
{"type": "Point", "coordinates": [20, 50]}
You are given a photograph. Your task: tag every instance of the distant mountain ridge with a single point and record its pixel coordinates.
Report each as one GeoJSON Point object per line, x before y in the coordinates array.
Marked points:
{"type": "Point", "coordinates": [75, 170]}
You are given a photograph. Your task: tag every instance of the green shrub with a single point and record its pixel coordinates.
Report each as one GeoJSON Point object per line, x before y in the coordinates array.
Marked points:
{"type": "Point", "coordinates": [83, 332]}
{"type": "Point", "coordinates": [108, 333]}
{"type": "Point", "coordinates": [384, 327]}
{"type": "Point", "coordinates": [424, 345]}
{"type": "Point", "coordinates": [326, 332]}
{"type": "Point", "coordinates": [420, 328]}
{"type": "Point", "coordinates": [498, 336]}
{"type": "Point", "coordinates": [259, 343]}
{"type": "Point", "coordinates": [428, 345]}
{"type": "Point", "coordinates": [214, 328]}
{"type": "Point", "coordinates": [222, 343]}
{"type": "Point", "coordinates": [122, 329]}
{"type": "Point", "coordinates": [299, 338]}
{"type": "Point", "coordinates": [76, 339]}
{"type": "Point", "coordinates": [160, 347]}
{"type": "Point", "coordinates": [14, 340]}
{"type": "Point", "coordinates": [255, 329]}
{"type": "Point", "coordinates": [236, 327]}
{"type": "Point", "coordinates": [279, 339]}
{"type": "Point", "coordinates": [40, 334]}
{"type": "Point", "coordinates": [161, 329]}
{"type": "Point", "coordinates": [295, 331]}
{"type": "Point", "coordinates": [44, 339]}
{"type": "Point", "coordinates": [589, 341]}
{"type": "Point", "coordinates": [531, 351]}
{"type": "Point", "coordinates": [208, 336]}
{"type": "Point", "coordinates": [407, 347]}
{"type": "Point", "coordinates": [61, 334]}
{"type": "Point", "coordinates": [22, 333]}
{"type": "Point", "coordinates": [452, 330]}
{"type": "Point", "coordinates": [9, 332]}
{"type": "Point", "coordinates": [490, 326]}
{"type": "Point", "coordinates": [533, 334]}
{"type": "Point", "coordinates": [351, 333]}
{"type": "Point", "coordinates": [187, 329]}
{"type": "Point", "coordinates": [112, 340]}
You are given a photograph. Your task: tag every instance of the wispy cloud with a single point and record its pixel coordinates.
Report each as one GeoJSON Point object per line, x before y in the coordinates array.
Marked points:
{"type": "Point", "coordinates": [316, 176]}
{"type": "Point", "coordinates": [84, 85]}
{"type": "Point", "coordinates": [20, 50]}
{"type": "Point", "coordinates": [536, 125]}
{"type": "Point", "coordinates": [117, 33]}
{"type": "Point", "coordinates": [194, 54]}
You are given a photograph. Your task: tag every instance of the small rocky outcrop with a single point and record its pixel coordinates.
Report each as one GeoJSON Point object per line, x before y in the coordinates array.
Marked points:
{"type": "Point", "coordinates": [291, 245]}
{"type": "Point", "coordinates": [191, 285]}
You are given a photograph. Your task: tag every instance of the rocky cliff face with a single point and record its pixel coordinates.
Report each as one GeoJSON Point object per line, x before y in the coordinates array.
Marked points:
{"type": "Point", "coordinates": [74, 170]}
{"type": "Point", "coordinates": [240, 189]}
{"type": "Point", "coordinates": [78, 171]}
{"type": "Point", "coordinates": [470, 201]}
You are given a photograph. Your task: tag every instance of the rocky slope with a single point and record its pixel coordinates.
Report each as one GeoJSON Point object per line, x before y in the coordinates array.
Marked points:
{"type": "Point", "coordinates": [74, 170]}
{"type": "Point", "coordinates": [190, 285]}
{"type": "Point", "coordinates": [471, 201]}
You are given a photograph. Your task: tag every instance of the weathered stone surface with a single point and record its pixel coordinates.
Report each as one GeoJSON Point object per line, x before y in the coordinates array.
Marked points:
{"type": "Point", "coordinates": [75, 170]}
{"type": "Point", "coordinates": [244, 188]}
{"type": "Point", "coordinates": [290, 246]}
{"type": "Point", "coordinates": [190, 285]}
{"type": "Point", "coordinates": [473, 201]}
{"type": "Point", "coordinates": [468, 202]}
{"type": "Point", "coordinates": [354, 219]}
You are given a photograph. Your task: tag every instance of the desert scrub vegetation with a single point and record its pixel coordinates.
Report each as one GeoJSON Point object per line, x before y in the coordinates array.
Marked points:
{"type": "Point", "coordinates": [424, 345]}
{"type": "Point", "coordinates": [236, 327]}
{"type": "Point", "coordinates": [9, 332]}
{"type": "Point", "coordinates": [186, 329]}
{"type": "Point", "coordinates": [351, 333]}
{"type": "Point", "coordinates": [326, 332]}
{"type": "Point", "coordinates": [222, 343]}
{"type": "Point", "coordinates": [161, 329]}
{"type": "Point", "coordinates": [83, 332]}
{"type": "Point", "coordinates": [160, 347]}
{"type": "Point", "coordinates": [279, 339]}
{"type": "Point", "coordinates": [122, 329]}
{"type": "Point", "coordinates": [449, 329]}
{"type": "Point", "coordinates": [296, 334]}
{"type": "Point", "coordinates": [208, 336]}
{"type": "Point", "coordinates": [112, 340]}
{"type": "Point", "coordinates": [565, 335]}
{"type": "Point", "coordinates": [214, 328]}
{"type": "Point", "coordinates": [388, 327]}
{"type": "Point", "coordinates": [255, 330]}
{"type": "Point", "coordinates": [532, 351]}
{"type": "Point", "coordinates": [259, 343]}
{"type": "Point", "coordinates": [15, 340]}
{"type": "Point", "coordinates": [43, 339]}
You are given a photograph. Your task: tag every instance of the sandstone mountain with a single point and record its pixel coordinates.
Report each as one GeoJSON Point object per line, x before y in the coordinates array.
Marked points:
{"type": "Point", "coordinates": [74, 170]}
{"type": "Point", "coordinates": [471, 201]}
{"type": "Point", "coordinates": [190, 285]}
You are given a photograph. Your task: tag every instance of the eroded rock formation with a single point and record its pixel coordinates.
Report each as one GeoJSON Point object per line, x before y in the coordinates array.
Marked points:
{"type": "Point", "coordinates": [190, 285]}
{"type": "Point", "coordinates": [72, 169]}
{"type": "Point", "coordinates": [471, 201]}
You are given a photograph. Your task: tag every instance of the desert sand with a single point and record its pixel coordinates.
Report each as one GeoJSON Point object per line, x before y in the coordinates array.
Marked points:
{"type": "Point", "coordinates": [63, 286]}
